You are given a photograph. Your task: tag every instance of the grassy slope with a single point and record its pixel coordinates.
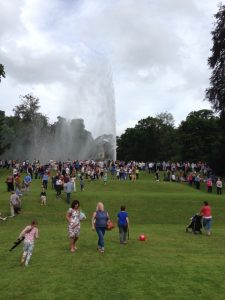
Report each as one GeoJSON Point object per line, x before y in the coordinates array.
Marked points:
{"type": "Point", "coordinates": [169, 265]}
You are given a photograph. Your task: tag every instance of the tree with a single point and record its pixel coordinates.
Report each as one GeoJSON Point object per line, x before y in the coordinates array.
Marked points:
{"type": "Point", "coordinates": [28, 108]}
{"type": "Point", "coordinates": [151, 139]}
{"type": "Point", "coordinates": [199, 136]}
{"type": "Point", "coordinates": [3, 142]}
{"type": "Point", "coordinates": [216, 91]}
{"type": "Point", "coordinates": [2, 72]}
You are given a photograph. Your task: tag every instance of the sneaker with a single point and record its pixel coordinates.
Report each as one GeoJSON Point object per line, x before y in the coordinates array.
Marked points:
{"type": "Point", "coordinates": [22, 260]}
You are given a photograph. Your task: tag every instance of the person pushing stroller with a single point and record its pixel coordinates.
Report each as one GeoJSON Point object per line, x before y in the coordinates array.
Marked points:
{"type": "Point", "coordinates": [195, 225]}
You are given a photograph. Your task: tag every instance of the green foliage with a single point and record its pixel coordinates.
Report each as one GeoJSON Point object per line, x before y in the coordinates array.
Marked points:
{"type": "Point", "coordinates": [2, 72]}
{"type": "Point", "coordinates": [3, 128]}
{"type": "Point", "coordinates": [151, 139]}
{"type": "Point", "coordinates": [216, 91]}
{"type": "Point", "coordinates": [27, 110]}
{"type": "Point", "coordinates": [199, 136]}
{"type": "Point", "coordinates": [171, 264]}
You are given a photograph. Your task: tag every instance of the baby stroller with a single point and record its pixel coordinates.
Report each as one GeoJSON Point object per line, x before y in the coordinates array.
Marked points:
{"type": "Point", "coordinates": [195, 224]}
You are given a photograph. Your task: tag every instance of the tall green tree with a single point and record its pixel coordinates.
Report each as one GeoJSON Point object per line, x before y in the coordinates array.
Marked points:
{"type": "Point", "coordinates": [199, 136]}
{"type": "Point", "coordinates": [2, 72]}
{"type": "Point", "coordinates": [151, 139]}
{"type": "Point", "coordinates": [216, 91]}
{"type": "Point", "coordinates": [28, 108]}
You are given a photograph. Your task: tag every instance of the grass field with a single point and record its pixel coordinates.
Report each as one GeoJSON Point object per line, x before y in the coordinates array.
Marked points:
{"type": "Point", "coordinates": [171, 264]}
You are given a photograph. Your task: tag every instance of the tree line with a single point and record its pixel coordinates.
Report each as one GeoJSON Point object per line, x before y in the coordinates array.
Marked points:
{"type": "Point", "coordinates": [29, 135]}
{"type": "Point", "coordinates": [200, 137]}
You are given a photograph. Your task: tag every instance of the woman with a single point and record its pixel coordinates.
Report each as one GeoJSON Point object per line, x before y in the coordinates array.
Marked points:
{"type": "Point", "coordinates": [206, 217]}
{"type": "Point", "coordinates": [74, 216]}
{"type": "Point", "coordinates": [99, 221]}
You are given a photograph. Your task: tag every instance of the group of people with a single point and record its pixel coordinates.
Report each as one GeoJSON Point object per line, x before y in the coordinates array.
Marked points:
{"type": "Point", "coordinates": [74, 216]}
{"type": "Point", "coordinates": [65, 179]}
{"type": "Point", "coordinates": [99, 222]}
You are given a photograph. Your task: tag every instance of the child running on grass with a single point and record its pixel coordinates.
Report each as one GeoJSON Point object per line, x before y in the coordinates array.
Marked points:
{"type": "Point", "coordinates": [74, 216]}
{"type": "Point", "coordinates": [29, 233]}
{"type": "Point", "coordinates": [43, 196]}
{"type": "Point", "coordinates": [123, 224]}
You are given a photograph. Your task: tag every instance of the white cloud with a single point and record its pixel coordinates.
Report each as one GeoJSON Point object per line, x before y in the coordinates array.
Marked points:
{"type": "Point", "coordinates": [61, 52]}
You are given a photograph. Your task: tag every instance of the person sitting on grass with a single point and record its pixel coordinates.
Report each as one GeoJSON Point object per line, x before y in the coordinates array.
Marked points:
{"type": "Point", "coordinates": [30, 234]}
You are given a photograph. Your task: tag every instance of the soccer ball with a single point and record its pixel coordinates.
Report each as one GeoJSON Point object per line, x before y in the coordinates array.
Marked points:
{"type": "Point", "coordinates": [142, 238]}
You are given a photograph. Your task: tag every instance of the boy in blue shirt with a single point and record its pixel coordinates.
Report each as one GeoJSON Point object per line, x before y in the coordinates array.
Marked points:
{"type": "Point", "coordinates": [123, 224]}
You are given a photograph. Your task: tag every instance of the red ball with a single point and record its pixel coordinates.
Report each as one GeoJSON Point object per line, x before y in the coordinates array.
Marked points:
{"type": "Point", "coordinates": [142, 237]}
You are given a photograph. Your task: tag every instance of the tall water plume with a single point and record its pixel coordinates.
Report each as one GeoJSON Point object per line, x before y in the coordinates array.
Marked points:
{"type": "Point", "coordinates": [86, 128]}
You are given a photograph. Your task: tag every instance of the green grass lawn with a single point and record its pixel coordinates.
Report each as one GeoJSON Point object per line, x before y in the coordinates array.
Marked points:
{"type": "Point", "coordinates": [171, 264]}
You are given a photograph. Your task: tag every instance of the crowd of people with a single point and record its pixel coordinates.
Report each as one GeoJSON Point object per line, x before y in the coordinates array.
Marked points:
{"type": "Point", "coordinates": [63, 176]}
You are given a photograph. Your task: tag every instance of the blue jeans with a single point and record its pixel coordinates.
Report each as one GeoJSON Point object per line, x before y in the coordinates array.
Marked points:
{"type": "Point", "coordinates": [207, 224]}
{"type": "Point", "coordinates": [68, 198]}
{"type": "Point", "coordinates": [100, 232]}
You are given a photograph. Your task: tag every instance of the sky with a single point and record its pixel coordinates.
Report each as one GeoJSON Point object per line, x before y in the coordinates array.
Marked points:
{"type": "Point", "coordinates": [149, 56]}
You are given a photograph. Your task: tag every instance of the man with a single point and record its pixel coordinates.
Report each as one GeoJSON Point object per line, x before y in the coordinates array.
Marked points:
{"type": "Point", "coordinates": [68, 188]}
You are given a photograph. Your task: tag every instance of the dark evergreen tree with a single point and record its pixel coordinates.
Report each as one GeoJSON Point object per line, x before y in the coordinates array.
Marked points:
{"type": "Point", "coordinates": [2, 72]}
{"type": "Point", "coordinates": [216, 91]}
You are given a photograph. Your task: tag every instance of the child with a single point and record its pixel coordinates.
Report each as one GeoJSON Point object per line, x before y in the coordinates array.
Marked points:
{"type": "Point", "coordinates": [105, 178]}
{"type": "Point", "coordinates": [43, 196]}
{"type": "Point", "coordinates": [81, 183]}
{"type": "Point", "coordinates": [123, 224]}
{"type": "Point", "coordinates": [74, 216]}
{"type": "Point", "coordinates": [30, 233]}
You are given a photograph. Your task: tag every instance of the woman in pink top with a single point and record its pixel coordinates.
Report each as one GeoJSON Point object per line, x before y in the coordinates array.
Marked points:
{"type": "Point", "coordinates": [206, 217]}
{"type": "Point", "coordinates": [29, 233]}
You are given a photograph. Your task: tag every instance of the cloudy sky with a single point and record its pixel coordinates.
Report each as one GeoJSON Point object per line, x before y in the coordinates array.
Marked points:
{"type": "Point", "coordinates": [148, 55]}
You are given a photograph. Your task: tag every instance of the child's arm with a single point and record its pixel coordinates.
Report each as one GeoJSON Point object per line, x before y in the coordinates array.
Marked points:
{"type": "Point", "coordinates": [127, 219]}
{"type": "Point", "coordinates": [36, 234]}
{"type": "Point", "coordinates": [24, 231]}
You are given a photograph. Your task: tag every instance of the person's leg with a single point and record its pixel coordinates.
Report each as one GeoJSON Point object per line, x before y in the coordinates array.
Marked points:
{"type": "Point", "coordinates": [29, 253]}
{"type": "Point", "coordinates": [24, 254]}
{"type": "Point", "coordinates": [121, 234]}
{"type": "Point", "coordinates": [68, 198]}
{"type": "Point", "coordinates": [72, 244]}
{"type": "Point", "coordinates": [125, 234]}
{"type": "Point", "coordinates": [12, 211]}
{"type": "Point", "coordinates": [100, 232]}
{"type": "Point", "coordinates": [208, 226]}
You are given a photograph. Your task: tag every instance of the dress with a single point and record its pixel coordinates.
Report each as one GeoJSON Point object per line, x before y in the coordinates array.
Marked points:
{"type": "Point", "coordinates": [74, 225]}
